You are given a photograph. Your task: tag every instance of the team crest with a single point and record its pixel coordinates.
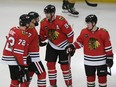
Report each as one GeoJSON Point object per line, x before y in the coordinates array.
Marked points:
{"type": "Point", "coordinates": [93, 43]}
{"type": "Point", "coordinates": [105, 29]}
{"type": "Point", "coordinates": [61, 18]}
{"type": "Point", "coordinates": [41, 21]}
{"type": "Point", "coordinates": [23, 32]}
{"type": "Point", "coordinates": [52, 34]}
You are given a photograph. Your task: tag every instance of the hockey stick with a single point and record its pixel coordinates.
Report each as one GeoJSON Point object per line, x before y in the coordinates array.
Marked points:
{"type": "Point", "coordinates": [91, 4]}
{"type": "Point", "coordinates": [69, 72]}
{"type": "Point", "coordinates": [109, 71]}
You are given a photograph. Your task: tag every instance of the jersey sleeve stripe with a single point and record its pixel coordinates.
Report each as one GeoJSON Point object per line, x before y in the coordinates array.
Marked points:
{"type": "Point", "coordinates": [70, 34]}
{"type": "Point", "coordinates": [80, 45]}
{"type": "Point", "coordinates": [18, 51]}
{"type": "Point", "coordinates": [107, 49]}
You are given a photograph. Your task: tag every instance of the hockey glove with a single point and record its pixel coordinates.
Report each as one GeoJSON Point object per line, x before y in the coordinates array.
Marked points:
{"type": "Point", "coordinates": [29, 61]}
{"type": "Point", "coordinates": [23, 74]}
{"type": "Point", "coordinates": [70, 49]}
{"type": "Point", "coordinates": [41, 44]}
{"type": "Point", "coordinates": [109, 62]}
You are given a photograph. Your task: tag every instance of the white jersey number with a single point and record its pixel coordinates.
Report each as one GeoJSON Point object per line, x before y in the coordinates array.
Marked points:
{"type": "Point", "coordinates": [22, 42]}
{"type": "Point", "coordinates": [66, 26]}
{"type": "Point", "coordinates": [11, 41]}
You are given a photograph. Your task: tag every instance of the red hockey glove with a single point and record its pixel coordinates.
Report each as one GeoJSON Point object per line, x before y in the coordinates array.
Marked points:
{"type": "Point", "coordinates": [23, 74]}
{"type": "Point", "coordinates": [70, 49]}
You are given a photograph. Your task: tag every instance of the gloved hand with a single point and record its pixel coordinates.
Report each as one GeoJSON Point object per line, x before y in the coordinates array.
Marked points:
{"type": "Point", "coordinates": [70, 49]}
{"type": "Point", "coordinates": [109, 62]}
{"type": "Point", "coordinates": [29, 61]}
{"type": "Point", "coordinates": [41, 43]}
{"type": "Point", "coordinates": [23, 74]}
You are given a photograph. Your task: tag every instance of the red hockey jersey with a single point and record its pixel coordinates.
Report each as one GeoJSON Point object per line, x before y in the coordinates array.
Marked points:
{"type": "Point", "coordinates": [97, 46]}
{"type": "Point", "coordinates": [59, 33]}
{"type": "Point", "coordinates": [33, 44]}
{"type": "Point", "coordinates": [16, 47]}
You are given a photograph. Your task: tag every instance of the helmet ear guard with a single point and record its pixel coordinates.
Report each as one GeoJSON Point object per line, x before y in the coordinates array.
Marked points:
{"type": "Point", "coordinates": [91, 18]}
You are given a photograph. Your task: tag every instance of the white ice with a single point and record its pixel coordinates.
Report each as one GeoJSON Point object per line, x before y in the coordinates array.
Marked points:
{"type": "Point", "coordinates": [10, 10]}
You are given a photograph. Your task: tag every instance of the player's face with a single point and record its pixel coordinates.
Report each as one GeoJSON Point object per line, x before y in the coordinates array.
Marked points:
{"type": "Point", "coordinates": [37, 19]}
{"type": "Point", "coordinates": [32, 23]}
{"type": "Point", "coordinates": [49, 16]}
{"type": "Point", "coordinates": [89, 25]}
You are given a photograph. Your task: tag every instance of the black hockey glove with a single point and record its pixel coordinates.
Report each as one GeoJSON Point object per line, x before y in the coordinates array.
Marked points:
{"type": "Point", "coordinates": [41, 44]}
{"type": "Point", "coordinates": [70, 49]}
{"type": "Point", "coordinates": [109, 62]}
{"type": "Point", "coordinates": [29, 61]}
{"type": "Point", "coordinates": [23, 74]}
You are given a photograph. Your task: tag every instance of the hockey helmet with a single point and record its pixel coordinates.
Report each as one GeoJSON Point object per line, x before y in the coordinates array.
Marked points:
{"type": "Point", "coordinates": [50, 9]}
{"type": "Point", "coordinates": [91, 18]}
{"type": "Point", "coordinates": [24, 20]}
{"type": "Point", "coordinates": [33, 15]}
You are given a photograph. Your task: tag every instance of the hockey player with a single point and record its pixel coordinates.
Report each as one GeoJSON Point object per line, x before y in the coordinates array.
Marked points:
{"type": "Point", "coordinates": [35, 64]}
{"type": "Point", "coordinates": [16, 51]}
{"type": "Point", "coordinates": [97, 51]}
{"type": "Point", "coordinates": [68, 5]}
{"type": "Point", "coordinates": [59, 34]}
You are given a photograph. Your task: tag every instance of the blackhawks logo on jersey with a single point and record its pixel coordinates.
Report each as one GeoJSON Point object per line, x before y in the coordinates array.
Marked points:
{"type": "Point", "coordinates": [105, 30]}
{"type": "Point", "coordinates": [61, 18]}
{"type": "Point", "coordinates": [23, 32]}
{"type": "Point", "coordinates": [93, 43]}
{"type": "Point", "coordinates": [52, 34]}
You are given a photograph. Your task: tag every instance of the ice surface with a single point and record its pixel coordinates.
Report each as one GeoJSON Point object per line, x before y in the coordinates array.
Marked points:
{"type": "Point", "coordinates": [10, 10]}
